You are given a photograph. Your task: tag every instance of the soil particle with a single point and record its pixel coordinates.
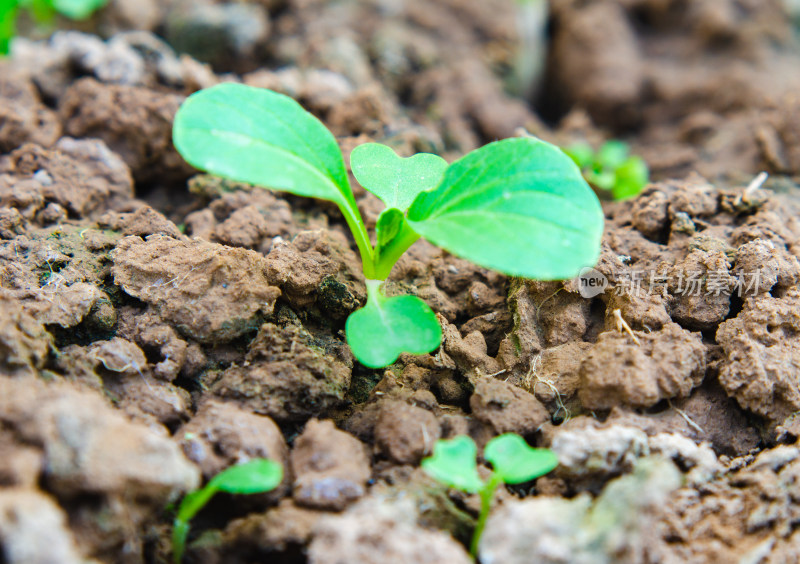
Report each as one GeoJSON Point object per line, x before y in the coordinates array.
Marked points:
{"type": "Point", "coordinates": [746, 516]}
{"type": "Point", "coordinates": [700, 286]}
{"type": "Point", "coordinates": [239, 215]}
{"type": "Point", "coordinates": [706, 415]}
{"type": "Point", "coordinates": [469, 353]}
{"type": "Point", "coordinates": [33, 530]}
{"type": "Point", "coordinates": [135, 58]}
{"type": "Point", "coordinates": [773, 266]}
{"type": "Point", "coordinates": [507, 408]}
{"type": "Point", "coordinates": [286, 376]}
{"type": "Point", "coordinates": [150, 333]}
{"type": "Point", "coordinates": [283, 527]}
{"type": "Point", "coordinates": [602, 68]}
{"type": "Point", "coordinates": [778, 136]}
{"type": "Point", "coordinates": [665, 364]}
{"type": "Point", "coordinates": [124, 472]}
{"type": "Point", "coordinates": [108, 455]}
{"type": "Point", "coordinates": [617, 527]}
{"type": "Point", "coordinates": [23, 117]}
{"type": "Point", "coordinates": [24, 343]}
{"type": "Point", "coordinates": [373, 532]}
{"type": "Point", "coordinates": [590, 455]}
{"type": "Point", "coordinates": [331, 467]}
{"type": "Point", "coordinates": [206, 291]}
{"type": "Point", "coordinates": [299, 268]}
{"type": "Point", "coordinates": [642, 311]}
{"type": "Point", "coordinates": [221, 434]}
{"type": "Point", "coordinates": [82, 176]}
{"type": "Point", "coordinates": [406, 433]}
{"type": "Point", "coordinates": [762, 346]}
{"type": "Point", "coordinates": [20, 465]}
{"type": "Point", "coordinates": [554, 376]}
{"type": "Point", "coordinates": [141, 134]}
{"type": "Point", "coordinates": [143, 221]}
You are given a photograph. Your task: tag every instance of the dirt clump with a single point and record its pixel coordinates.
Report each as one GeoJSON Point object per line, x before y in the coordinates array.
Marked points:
{"type": "Point", "coordinates": [206, 291]}
{"type": "Point", "coordinates": [760, 368]}
{"type": "Point", "coordinates": [221, 434]}
{"type": "Point", "coordinates": [286, 376]}
{"type": "Point", "coordinates": [406, 433]}
{"type": "Point", "coordinates": [331, 467]}
{"type": "Point", "coordinates": [373, 532]}
{"type": "Point", "coordinates": [89, 449]}
{"type": "Point", "coordinates": [23, 117]}
{"type": "Point", "coordinates": [507, 408]}
{"type": "Point", "coordinates": [664, 364]}
{"type": "Point", "coordinates": [141, 135]}
{"type": "Point", "coordinates": [33, 528]}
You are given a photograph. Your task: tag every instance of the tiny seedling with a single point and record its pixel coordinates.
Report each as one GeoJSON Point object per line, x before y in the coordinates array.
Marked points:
{"type": "Point", "coordinates": [257, 476]}
{"type": "Point", "coordinates": [519, 206]}
{"type": "Point", "coordinates": [43, 11]}
{"type": "Point", "coordinates": [514, 462]}
{"type": "Point", "coordinates": [611, 168]}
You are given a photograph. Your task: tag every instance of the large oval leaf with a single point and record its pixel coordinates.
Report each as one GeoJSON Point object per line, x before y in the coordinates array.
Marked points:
{"type": "Point", "coordinates": [519, 206]}
{"type": "Point", "coordinates": [394, 179]}
{"type": "Point", "coordinates": [261, 137]}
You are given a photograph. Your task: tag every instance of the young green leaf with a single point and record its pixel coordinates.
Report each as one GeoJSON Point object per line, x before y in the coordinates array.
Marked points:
{"type": "Point", "coordinates": [612, 154]}
{"type": "Point", "coordinates": [256, 476]}
{"type": "Point", "coordinates": [631, 177]}
{"type": "Point", "coordinates": [8, 18]}
{"type": "Point", "coordinates": [386, 327]}
{"type": "Point", "coordinates": [453, 464]}
{"type": "Point", "coordinates": [515, 461]}
{"type": "Point", "coordinates": [261, 137]}
{"type": "Point", "coordinates": [78, 9]}
{"type": "Point", "coordinates": [388, 226]}
{"type": "Point", "coordinates": [395, 180]}
{"type": "Point", "coordinates": [258, 136]}
{"type": "Point", "coordinates": [259, 475]}
{"type": "Point", "coordinates": [519, 206]}
{"type": "Point", "coordinates": [582, 153]}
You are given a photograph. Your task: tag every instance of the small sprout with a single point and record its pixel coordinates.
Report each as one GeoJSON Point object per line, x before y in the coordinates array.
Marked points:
{"type": "Point", "coordinates": [611, 168]}
{"type": "Point", "coordinates": [519, 206]}
{"type": "Point", "coordinates": [257, 476]}
{"type": "Point", "coordinates": [43, 11]}
{"type": "Point", "coordinates": [453, 464]}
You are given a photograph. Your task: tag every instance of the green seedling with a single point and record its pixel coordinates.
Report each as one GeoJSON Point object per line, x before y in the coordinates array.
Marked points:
{"type": "Point", "coordinates": [43, 11]}
{"type": "Point", "coordinates": [519, 206]}
{"type": "Point", "coordinates": [611, 168]}
{"type": "Point", "coordinates": [514, 462]}
{"type": "Point", "coordinates": [257, 476]}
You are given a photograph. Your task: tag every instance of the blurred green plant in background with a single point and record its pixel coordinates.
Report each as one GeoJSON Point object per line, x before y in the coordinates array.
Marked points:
{"type": "Point", "coordinates": [43, 11]}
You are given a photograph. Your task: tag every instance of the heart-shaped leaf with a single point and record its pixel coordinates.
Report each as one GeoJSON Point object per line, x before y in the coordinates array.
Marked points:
{"type": "Point", "coordinates": [259, 475]}
{"type": "Point", "coordinates": [258, 136]}
{"type": "Point", "coordinates": [516, 462]}
{"type": "Point", "coordinates": [453, 464]}
{"type": "Point", "coordinates": [395, 180]}
{"type": "Point", "coordinates": [519, 206]}
{"type": "Point", "coordinates": [386, 327]}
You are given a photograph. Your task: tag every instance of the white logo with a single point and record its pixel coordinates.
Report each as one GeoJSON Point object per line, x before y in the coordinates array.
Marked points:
{"type": "Point", "coordinates": [591, 282]}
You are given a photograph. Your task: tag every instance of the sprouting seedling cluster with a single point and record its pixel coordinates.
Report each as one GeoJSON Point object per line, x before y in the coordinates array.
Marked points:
{"type": "Point", "coordinates": [519, 206]}
{"type": "Point", "coordinates": [611, 168]}
{"type": "Point", "coordinates": [256, 476]}
{"type": "Point", "coordinates": [43, 11]}
{"type": "Point", "coordinates": [513, 461]}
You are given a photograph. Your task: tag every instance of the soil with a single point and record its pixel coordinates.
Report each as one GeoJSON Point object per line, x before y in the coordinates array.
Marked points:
{"type": "Point", "coordinates": [158, 325]}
